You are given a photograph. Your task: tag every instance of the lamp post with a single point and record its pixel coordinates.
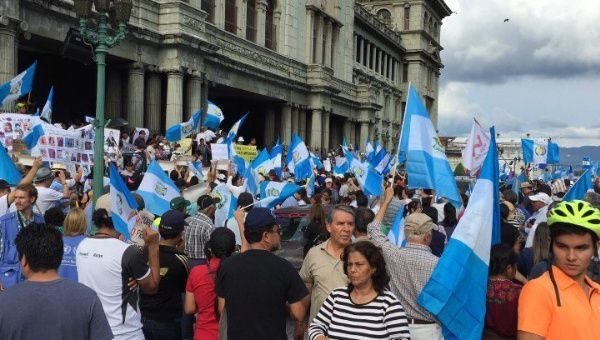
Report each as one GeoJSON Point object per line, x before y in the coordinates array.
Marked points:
{"type": "Point", "coordinates": [117, 12]}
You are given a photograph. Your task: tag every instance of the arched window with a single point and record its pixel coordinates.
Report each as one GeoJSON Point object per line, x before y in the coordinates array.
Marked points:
{"type": "Point", "coordinates": [230, 16]}
{"type": "Point", "coordinates": [251, 20]}
{"type": "Point", "coordinates": [385, 16]}
{"type": "Point", "coordinates": [270, 31]}
{"type": "Point", "coordinates": [425, 17]}
{"type": "Point", "coordinates": [430, 25]}
{"type": "Point", "coordinates": [208, 6]}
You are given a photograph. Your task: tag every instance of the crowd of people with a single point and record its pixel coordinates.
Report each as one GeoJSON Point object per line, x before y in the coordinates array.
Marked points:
{"type": "Point", "coordinates": [67, 273]}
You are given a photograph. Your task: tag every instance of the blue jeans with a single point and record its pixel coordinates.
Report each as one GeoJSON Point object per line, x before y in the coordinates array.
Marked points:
{"type": "Point", "coordinates": [161, 330]}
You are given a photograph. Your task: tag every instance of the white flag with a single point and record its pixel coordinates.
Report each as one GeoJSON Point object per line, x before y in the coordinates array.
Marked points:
{"type": "Point", "coordinates": [476, 149]}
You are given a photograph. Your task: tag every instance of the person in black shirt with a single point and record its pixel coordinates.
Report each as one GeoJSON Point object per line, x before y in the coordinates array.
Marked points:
{"type": "Point", "coordinates": [162, 312]}
{"type": "Point", "coordinates": [254, 287]}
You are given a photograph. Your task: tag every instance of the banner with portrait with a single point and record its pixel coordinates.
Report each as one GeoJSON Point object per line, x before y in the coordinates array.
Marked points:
{"type": "Point", "coordinates": [13, 126]}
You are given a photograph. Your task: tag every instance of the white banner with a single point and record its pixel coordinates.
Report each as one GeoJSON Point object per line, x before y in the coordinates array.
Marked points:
{"type": "Point", "coordinates": [219, 152]}
{"type": "Point", "coordinates": [13, 126]}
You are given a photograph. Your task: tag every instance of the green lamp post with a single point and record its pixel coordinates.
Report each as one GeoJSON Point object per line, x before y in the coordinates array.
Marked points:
{"type": "Point", "coordinates": [113, 13]}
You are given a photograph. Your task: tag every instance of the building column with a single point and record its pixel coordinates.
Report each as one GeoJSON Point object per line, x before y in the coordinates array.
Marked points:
{"type": "Point", "coordinates": [269, 126]}
{"type": "Point", "coordinates": [328, 42]}
{"type": "Point", "coordinates": [193, 94]}
{"type": "Point", "coordinates": [174, 111]}
{"type": "Point", "coordinates": [153, 101]}
{"type": "Point", "coordinates": [135, 95]}
{"type": "Point", "coordinates": [295, 126]}
{"type": "Point", "coordinates": [355, 48]}
{"type": "Point", "coordinates": [385, 65]}
{"type": "Point", "coordinates": [113, 93]}
{"type": "Point", "coordinates": [286, 124]}
{"type": "Point", "coordinates": [364, 132]}
{"type": "Point", "coordinates": [319, 45]}
{"type": "Point", "coordinates": [204, 94]}
{"type": "Point", "coordinates": [219, 14]}
{"type": "Point", "coordinates": [261, 21]}
{"type": "Point", "coordinates": [325, 132]}
{"type": "Point", "coordinates": [310, 22]}
{"type": "Point", "coordinates": [242, 18]}
{"type": "Point", "coordinates": [302, 123]}
{"type": "Point", "coordinates": [368, 57]}
{"type": "Point", "coordinates": [8, 57]}
{"type": "Point", "coordinates": [316, 122]}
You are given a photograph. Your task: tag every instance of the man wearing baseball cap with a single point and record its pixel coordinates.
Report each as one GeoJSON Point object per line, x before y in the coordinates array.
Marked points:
{"type": "Point", "coordinates": [162, 312]}
{"type": "Point", "coordinates": [256, 285]}
{"type": "Point", "coordinates": [539, 209]}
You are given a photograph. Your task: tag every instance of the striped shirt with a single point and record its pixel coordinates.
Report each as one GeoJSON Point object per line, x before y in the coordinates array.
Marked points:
{"type": "Point", "coordinates": [340, 318]}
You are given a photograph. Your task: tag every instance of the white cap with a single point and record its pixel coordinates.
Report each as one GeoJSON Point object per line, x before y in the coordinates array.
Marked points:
{"type": "Point", "coordinates": [541, 197]}
{"type": "Point", "coordinates": [240, 139]}
{"type": "Point", "coordinates": [221, 177]}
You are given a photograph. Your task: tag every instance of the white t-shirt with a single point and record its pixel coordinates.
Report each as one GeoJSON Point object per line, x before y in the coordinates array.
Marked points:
{"type": "Point", "coordinates": [105, 265]}
{"type": "Point", "coordinates": [47, 198]}
{"type": "Point", "coordinates": [233, 226]}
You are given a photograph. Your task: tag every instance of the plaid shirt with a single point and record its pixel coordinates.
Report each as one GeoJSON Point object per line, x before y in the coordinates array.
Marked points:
{"type": "Point", "coordinates": [409, 269]}
{"type": "Point", "coordinates": [196, 235]}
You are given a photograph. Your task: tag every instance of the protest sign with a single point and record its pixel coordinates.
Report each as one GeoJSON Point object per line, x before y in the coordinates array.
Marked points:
{"type": "Point", "coordinates": [13, 126]}
{"type": "Point", "coordinates": [143, 219]}
{"type": "Point", "coordinates": [247, 152]}
{"type": "Point", "coordinates": [111, 136]}
{"type": "Point", "coordinates": [219, 152]}
{"type": "Point", "coordinates": [61, 146]}
{"type": "Point", "coordinates": [136, 134]}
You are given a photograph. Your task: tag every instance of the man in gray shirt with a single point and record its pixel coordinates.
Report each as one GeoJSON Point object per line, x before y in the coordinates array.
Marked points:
{"type": "Point", "coordinates": [47, 306]}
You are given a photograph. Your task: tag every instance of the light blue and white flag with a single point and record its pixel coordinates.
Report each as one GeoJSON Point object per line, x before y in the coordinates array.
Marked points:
{"type": "Point", "coordinates": [8, 170]}
{"type": "Point", "coordinates": [369, 150]}
{"type": "Point", "coordinates": [540, 151]}
{"type": "Point", "coordinates": [196, 170]}
{"type": "Point", "coordinates": [179, 131]}
{"type": "Point", "coordinates": [341, 166]}
{"type": "Point", "coordinates": [298, 160]}
{"type": "Point", "coordinates": [578, 190]}
{"type": "Point", "coordinates": [240, 164]}
{"type": "Point", "coordinates": [384, 164]}
{"type": "Point", "coordinates": [273, 193]}
{"type": "Point", "coordinates": [234, 129]}
{"type": "Point", "coordinates": [123, 207]}
{"type": "Point", "coordinates": [310, 185]}
{"type": "Point", "coordinates": [37, 131]}
{"type": "Point", "coordinates": [426, 164]}
{"type": "Point", "coordinates": [396, 234]}
{"type": "Point", "coordinates": [226, 206]}
{"type": "Point", "coordinates": [276, 158]}
{"type": "Point", "coordinates": [18, 86]}
{"type": "Point", "coordinates": [47, 110]}
{"type": "Point", "coordinates": [214, 116]}
{"type": "Point", "coordinates": [157, 189]}
{"type": "Point", "coordinates": [456, 291]}
{"type": "Point", "coordinates": [368, 179]}
{"type": "Point", "coordinates": [262, 164]}
{"type": "Point", "coordinates": [315, 162]}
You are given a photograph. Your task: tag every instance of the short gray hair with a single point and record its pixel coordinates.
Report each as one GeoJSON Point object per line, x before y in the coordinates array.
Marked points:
{"type": "Point", "coordinates": [339, 207]}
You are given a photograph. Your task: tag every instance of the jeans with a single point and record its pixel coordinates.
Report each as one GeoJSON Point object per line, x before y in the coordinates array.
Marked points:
{"type": "Point", "coordinates": [425, 332]}
{"type": "Point", "coordinates": [161, 330]}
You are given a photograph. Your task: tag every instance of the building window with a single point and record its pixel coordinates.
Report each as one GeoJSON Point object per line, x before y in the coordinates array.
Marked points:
{"type": "Point", "coordinates": [230, 16]}
{"type": "Point", "coordinates": [407, 18]}
{"type": "Point", "coordinates": [324, 42]}
{"type": "Point", "coordinates": [365, 50]}
{"type": "Point", "coordinates": [208, 6]}
{"type": "Point", "coordinates": [358, 43]}
{"type": "Point", "coordinates": [270, 31]}
{"type": "Point", "coordinates": [430, 27]}
{"type": "Point", "coordinates": [372, 57]}
{"type": "Point", "coordinates": [251, 20]}
{"type": "Point", "coordinates": [405, 73]}
{"type": "Point", "coordinates": [393, 74]}
{"type": "Point", "coordinates": [314, 36]}
{"type": "Point", "coordinates": [425, 21]}
{"type": "Point", "coordinates": [435, 29]}
{"type": "Point", "coordinates": [385, 16]}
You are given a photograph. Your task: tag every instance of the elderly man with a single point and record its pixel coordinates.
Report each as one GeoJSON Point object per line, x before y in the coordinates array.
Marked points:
{"type": "Point", "coordinates": [539, 209]}
{"type": "Point", "coordinates": [410, 268]}
{"type": "Point", "coordinates": [49, 198]}
{"type": "Point", "coordinates": [198, 230]}
{"type": "Point", "coordinates": [322, 270]}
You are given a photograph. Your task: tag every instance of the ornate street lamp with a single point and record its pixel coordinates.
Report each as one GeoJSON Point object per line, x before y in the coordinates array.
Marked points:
{"type": "Point", "coordinates": [100, 38]}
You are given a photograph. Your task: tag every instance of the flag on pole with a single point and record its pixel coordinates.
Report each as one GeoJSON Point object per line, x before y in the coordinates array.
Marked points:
{"type": "Point", "coordinates": [368, 179]}
{"type": "Point", "coordinates": [310, 185]}
{"type": "Point", "coordinates": [37, 131]}
{"type": "Point", "coordinates": [179, 131]}
{"type": "Point", "coordinates": [18, 86]}
{"type": "Point", "coordinates": [299, 159]}
{"type": "Point", "coordinates": [578, 190]}
{"type": "Point", "coordinates": [47, 110]}
{"type": "Point", "coordinates": [214, 116]}
{"type": "Point", "coordinates": [477, 145]}
{"type": "Point", "coordinates": [396, 233]}
{"type": "Point", "coordinates": [276, 155]}
{"type": "Point", "coordinates": [273, 193]}
{"type": "Point", "coordinates": [456, 291]}
{"type": "Point", "coordinates": [426, 163]}
{"type": "Point", "coordinates": [262, 164]}
{"type": "Point", "coordinates": [123, 207]}
{"type": "Point", "coordinates": [234, 129]}
{"type": "Point", "coordinates": [157, 189]}
{"type": "Point", "coordinates": [8, 170]}
{"type": "Point", "coordinates": [540, 151]}
{"type": "Point", "coordinates": [196, 170]}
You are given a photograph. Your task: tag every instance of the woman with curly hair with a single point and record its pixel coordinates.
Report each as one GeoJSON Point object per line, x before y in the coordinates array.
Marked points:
{"type": "Point", "coordinates": [366, 303]}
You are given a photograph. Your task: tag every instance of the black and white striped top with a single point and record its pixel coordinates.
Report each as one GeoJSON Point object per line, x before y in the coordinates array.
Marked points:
{"type": "Point", "coordinates": [340, 318]}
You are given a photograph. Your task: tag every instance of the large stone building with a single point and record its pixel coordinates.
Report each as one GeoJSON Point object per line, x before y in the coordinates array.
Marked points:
{"type": "Point", "coordinates": [326, 69]}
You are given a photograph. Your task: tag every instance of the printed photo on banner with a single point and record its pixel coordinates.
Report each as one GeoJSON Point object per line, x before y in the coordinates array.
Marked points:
{"type": "Point", "coordinates": [111, 144]}
{"type": "Point", "coordinates": [13, 126]}
{"type": "Point", "coordinates": [141, 132]}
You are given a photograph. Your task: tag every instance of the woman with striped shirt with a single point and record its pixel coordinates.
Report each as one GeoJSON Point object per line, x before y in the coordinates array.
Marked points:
{"type": "Point", "coordinates": [366, 309]}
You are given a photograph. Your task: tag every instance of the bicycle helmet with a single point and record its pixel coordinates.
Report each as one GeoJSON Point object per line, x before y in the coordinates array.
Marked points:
{"type": "Point", "coordinates": [578, 213]}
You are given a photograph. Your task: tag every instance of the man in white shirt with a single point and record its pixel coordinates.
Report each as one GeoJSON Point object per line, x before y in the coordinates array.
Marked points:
{"type": "Point", "coordinates": [540, 203]}
{"type": "Point", "coordinates": [7, 197]}
{"type": "Point", "coordinates": [48, 198]}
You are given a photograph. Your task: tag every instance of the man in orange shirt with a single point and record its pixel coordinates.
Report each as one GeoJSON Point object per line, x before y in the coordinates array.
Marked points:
{"type": "Point", "coordinates": [564, 303]}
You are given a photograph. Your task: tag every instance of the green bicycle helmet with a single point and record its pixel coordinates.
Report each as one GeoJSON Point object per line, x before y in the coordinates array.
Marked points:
{"type": "Point", "coordinates": [578, 213]}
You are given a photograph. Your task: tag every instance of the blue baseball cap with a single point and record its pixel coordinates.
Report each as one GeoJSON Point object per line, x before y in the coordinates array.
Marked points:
{"type": "Point", "coordinates": [259, 218]}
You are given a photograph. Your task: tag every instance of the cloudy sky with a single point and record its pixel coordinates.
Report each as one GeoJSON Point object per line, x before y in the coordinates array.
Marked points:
{"type": "Point", "coordinates": [538, 73]}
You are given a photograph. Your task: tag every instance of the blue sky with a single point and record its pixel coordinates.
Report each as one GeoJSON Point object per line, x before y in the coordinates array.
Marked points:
{"type": "Point", "coordinates": [538, 73]}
